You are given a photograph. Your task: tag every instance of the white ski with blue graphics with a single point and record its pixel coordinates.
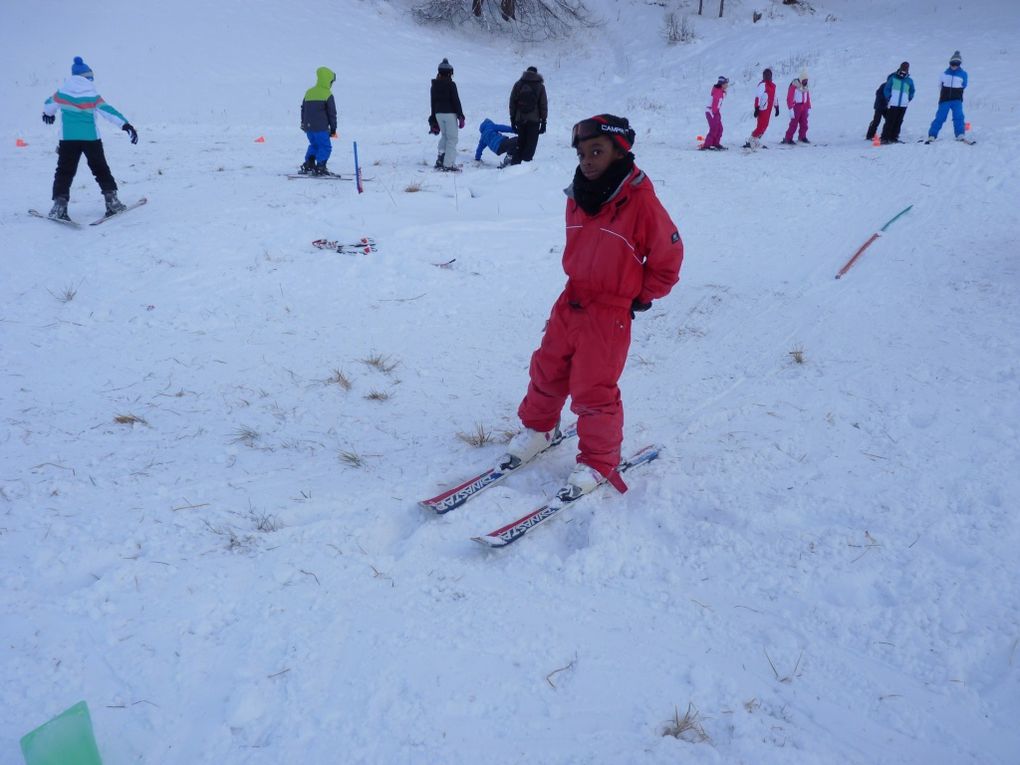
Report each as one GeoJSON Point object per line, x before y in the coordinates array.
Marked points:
{"type": "Point", "coordinates": [514, 530]}
{"type": "Point", "coordinates": [454, 497]}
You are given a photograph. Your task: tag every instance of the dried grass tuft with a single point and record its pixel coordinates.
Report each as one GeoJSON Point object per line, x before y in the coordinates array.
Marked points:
{"type": "Point", "coordinates": [130, 419]}
{"type": "Point", "coordinates": [384, 364]}
{"type": "Point", "coordinates": [480, 436]}
{"type": "Point", "coordinates": [688, 727]}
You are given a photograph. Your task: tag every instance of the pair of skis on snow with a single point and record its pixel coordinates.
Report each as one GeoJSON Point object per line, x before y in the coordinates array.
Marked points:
{"type": "Point", "coordinates": [76, 224]}
{"type": "Point", "coordinates": [460, 494]}
{"type": "Point", "coordinates": [363, 246]}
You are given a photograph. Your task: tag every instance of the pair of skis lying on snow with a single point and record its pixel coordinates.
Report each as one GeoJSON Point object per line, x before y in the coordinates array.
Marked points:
{"type": "Point", "coordinates": [458, 495]}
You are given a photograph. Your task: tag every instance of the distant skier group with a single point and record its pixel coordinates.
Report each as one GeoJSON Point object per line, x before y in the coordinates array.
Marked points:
{"type": "Point", "coordinates": [528, 111]}
{"type": "Point", "coordinates": [891, 100]}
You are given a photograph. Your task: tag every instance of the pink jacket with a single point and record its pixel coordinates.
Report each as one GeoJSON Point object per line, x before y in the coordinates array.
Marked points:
{"type": "Point", "coordinates": [718, 94]}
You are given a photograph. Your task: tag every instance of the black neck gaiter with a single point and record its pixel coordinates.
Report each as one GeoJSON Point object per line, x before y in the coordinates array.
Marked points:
{"type": "Point", "coordinates": [591, 195]}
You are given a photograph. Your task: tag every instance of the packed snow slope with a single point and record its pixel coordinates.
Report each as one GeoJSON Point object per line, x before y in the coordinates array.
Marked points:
{"type": "Point", "coordinates": [215, 543]}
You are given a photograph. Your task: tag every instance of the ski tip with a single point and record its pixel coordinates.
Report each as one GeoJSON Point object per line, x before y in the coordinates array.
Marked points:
{"type": "Point", "coordinates": [492, 543]}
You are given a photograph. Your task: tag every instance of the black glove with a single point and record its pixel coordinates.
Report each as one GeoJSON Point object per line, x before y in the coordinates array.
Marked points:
{"type": "Point", "coordinates": [433, 125]}
{"type": "Point", "coordinates": [541, 127]}
{"type": "Point", "coordinates": [777, 110]}
{"type": "Point", "coordinates": [757, 111]}
{"type": "Point", "coordinates": [49, 119]}
{"type": "Point", "coordinates": [636, 306]}
{"type": "Point", "coordinates": [126, 127]}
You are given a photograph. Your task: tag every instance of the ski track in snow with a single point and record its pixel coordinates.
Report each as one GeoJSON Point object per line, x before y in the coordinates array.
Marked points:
{"type": "Point", "coordinates": [822, 560]}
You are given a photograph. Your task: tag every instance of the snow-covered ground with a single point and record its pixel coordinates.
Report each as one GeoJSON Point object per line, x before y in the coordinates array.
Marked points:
{"type": "Point", "coordinates": [823, 563]}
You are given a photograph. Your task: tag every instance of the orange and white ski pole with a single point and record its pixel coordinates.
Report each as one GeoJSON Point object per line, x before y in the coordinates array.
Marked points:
{"type": "Point", "coordinates": [876, 235]}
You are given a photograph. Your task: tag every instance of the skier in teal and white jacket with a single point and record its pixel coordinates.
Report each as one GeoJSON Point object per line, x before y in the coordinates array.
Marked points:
{"type": "Point", "coordinates": [79, 104]}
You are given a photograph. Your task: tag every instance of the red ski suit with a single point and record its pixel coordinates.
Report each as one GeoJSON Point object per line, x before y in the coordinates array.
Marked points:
{"type": "Point", "coordinates": [629, 249]}
{"type": "Point", "coordinates": [764, 100]}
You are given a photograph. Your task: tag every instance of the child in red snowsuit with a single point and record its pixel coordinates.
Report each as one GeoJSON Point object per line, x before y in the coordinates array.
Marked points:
{"type": "Point", "coordinates": [764, 103]}
{"type": "Point", "coordinates": [622, 252]}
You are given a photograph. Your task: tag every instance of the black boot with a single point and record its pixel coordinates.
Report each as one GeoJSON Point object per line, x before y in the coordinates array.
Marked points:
{"type": "Point", "coordinates": [320, 169]}
{"type": "Point", "coordinates": [307, 166]}
{"type": "Point", "coordinates": [439, 161]}
{"type": "Point", "coordinates": [113, 205]}
{"type": "Point", "coordinates": [59, 209]}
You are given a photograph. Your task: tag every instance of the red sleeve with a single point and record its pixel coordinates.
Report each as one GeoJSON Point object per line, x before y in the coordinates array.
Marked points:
{"type": "Point", "coordinates": [789, 96]}
{"type": "Point", "coordinates": [662, 248]}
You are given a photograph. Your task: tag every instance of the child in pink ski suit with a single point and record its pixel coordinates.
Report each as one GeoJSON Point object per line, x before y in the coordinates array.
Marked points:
{"type": "Point", "coordinates": [714, 117]}
{"type": "Point", "coordinates": [798, 101]}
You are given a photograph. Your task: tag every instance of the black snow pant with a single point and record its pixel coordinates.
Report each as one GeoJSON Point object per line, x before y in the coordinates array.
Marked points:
{"type": "Point", "coordinates": [527, 134]}
{"type": "Point", "coordinates": [69, 154]}
{"type": "Point", "coordinates": [873, 127]}
{"type": "Point", "coordinates": [508, 146]}
{"type": "Point", "coordinates": [893, 123]}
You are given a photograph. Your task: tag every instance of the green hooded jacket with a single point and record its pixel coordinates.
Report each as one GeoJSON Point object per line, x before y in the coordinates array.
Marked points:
{"type": "Point", "coordinates": [318, 110]}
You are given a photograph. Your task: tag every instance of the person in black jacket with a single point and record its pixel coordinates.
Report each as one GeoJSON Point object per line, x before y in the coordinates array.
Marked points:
{"type": "Point", "coordinates": [529, 109]}
{"type": "Point", "coordinates": [447, 116]}
{"type": "Point", "coordinates": [880, 108]}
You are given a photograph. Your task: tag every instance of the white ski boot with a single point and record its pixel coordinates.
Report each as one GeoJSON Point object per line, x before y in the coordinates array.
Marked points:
{"type": "Point", "coordinates": [583, 479]}
{"type": "Point", "coordinates": [526, 445]}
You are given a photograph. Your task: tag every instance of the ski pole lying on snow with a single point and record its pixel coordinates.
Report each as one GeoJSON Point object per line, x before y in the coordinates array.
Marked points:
{"type": "Point", "coordinates": [867, 244]}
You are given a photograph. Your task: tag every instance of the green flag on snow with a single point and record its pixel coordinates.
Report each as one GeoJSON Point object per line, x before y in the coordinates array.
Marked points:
{"type": "Point", "coordinates": [67, 739]}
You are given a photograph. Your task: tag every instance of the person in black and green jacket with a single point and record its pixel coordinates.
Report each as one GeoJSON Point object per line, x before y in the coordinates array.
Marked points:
{"type": "Point", "coordinates": [318, 120]}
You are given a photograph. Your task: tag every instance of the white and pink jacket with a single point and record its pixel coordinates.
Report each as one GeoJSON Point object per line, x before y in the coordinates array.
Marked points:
{"type": "Point", "coordinates": [798, 93]}
{"type": "Point", "coordinates": [718, 94]}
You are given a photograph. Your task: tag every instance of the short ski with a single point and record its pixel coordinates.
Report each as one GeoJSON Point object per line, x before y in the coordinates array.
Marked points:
{"type": "Point", "coordinates": [71, 223]}
{"type": "Point", "coordinates": [453, 498]}
{"type": "Point", "coordinates": [515, 530]}
{"type": "Point", "coordinates": [105, 218]}
{"type": "Point", "coordinates": [326, 177]}
{"type": "Point", "coordinates": [363, 246]}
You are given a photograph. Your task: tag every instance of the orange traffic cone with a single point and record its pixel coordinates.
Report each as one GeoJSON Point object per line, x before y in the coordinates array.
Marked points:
{"type": "Point", "coordinates": [876, 141]}
{"type": "Point", "coordinates": [260, 139]}
{"type": "Point", "coordinates": [966, 127]}
{"type": "Point", "coordinates": [700, 138]}
{"type": "Point", "coordinates": [20, 144]}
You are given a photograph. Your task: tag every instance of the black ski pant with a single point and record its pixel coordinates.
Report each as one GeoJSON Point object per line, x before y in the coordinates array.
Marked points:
{"type": "Point", "coordinates": [873, 127]}
{"type": "Point", "coordinates": [527, 135]}
{"type": "Point", "coordinates": [69, 155]}
{"type": "Point", "coordinates": [508, 146]}
{"type": "Point", "coordinates": [893, 123]}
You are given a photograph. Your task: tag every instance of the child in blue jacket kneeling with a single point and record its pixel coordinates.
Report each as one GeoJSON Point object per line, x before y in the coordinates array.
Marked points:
{"type": "Point", "coordinates": [492, 136]}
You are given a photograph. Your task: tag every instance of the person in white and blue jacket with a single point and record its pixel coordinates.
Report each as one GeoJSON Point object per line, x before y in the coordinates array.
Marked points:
{"type": "Point", "coordinates": [79, 105]}
{"type": "Point", "coordinates": [492, 136]}
{"type": "Point", "coordinates": [954, 82]}
{"type": "Point", "coordinates": [898, 92]}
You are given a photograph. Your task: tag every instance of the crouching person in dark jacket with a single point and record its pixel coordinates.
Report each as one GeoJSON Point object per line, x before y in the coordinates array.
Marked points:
{"type": "Point", "coordinates": [880, 106]}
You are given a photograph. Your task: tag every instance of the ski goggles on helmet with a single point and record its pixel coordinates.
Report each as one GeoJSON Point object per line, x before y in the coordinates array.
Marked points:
{"type": "Point", "coordinates": [603, 125]}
